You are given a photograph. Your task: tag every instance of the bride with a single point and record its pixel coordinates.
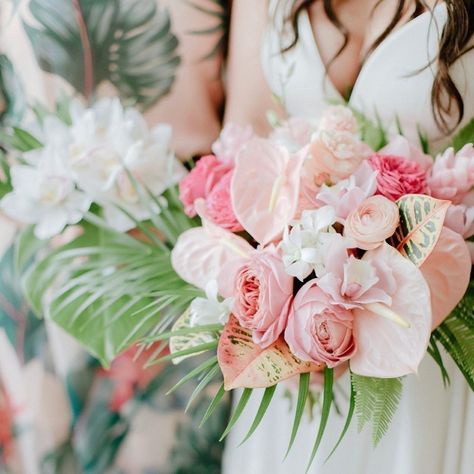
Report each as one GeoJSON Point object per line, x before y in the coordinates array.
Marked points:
{"type": "Point", "coordinates": [409, 64]}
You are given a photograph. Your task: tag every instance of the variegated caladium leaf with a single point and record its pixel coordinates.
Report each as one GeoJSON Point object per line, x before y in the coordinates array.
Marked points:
{"type": "Point", "coordinates": [245, 364]}
{"type": "Point", "coordinates": [421, 221]}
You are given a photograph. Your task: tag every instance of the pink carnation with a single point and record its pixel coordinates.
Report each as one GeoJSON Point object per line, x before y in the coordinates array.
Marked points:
{"type": "Point", "coordinates": [201, 181]}
{"type": "Point", "coordinates": [219, 205]}
{"type": "Point", "coordinates": [453, 174]}
{"type": "Point", "coordinates": [398, 176]}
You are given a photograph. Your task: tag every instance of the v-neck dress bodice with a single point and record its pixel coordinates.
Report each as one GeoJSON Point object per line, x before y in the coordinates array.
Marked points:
{"type": "Point", "coordinates": [433, 429]}
{"type": "Point", "coordinates": [394, 84]}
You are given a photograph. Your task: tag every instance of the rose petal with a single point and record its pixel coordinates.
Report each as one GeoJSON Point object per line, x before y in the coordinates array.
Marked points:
{"type": "Point", "coordinates": [386, 349]}
{"type": "Point", "coordinates": [447, 271]}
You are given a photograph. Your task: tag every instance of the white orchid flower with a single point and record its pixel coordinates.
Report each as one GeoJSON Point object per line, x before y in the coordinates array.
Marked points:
{"type": "Point", "coordinates": [44, 194]}
{"type": "Point", "coordinates": [210, 310]}
{"type": "Point", "coordinates": [304, 246]}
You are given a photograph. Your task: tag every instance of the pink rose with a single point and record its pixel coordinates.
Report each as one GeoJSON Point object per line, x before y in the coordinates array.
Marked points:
{"type": "Point", "coordinates": [374, 221]}
{"type": "Point", "coordinates": [339, 117]}
{"type": "Point", "coordinates": [219, 205]}
{"type": "Point", "coordinates": [295, 133]}
{"type": "Point", "coordinates": [336, 154]}
{"type": "Point", "coordinates": [231, 140]}
{"type": "Point", "coordinates": [200, 181]}
{"type": "Point", "coordinates": [263, 293]}
{"type": "Point", "coordinates": [319, 331]}
{"type": "Point", "coordinates": [398, 176]}
{"type": "Point", "coordinates": [453, 174]}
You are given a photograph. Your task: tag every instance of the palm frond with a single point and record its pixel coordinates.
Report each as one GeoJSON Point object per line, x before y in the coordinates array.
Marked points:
{"type": "Point", "coordinates": [129, 44]}
{"type": "Point", "coordinates": [456, 334]}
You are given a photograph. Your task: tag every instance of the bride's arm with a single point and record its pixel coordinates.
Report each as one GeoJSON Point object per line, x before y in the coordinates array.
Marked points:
{"type": "Point", "coordinates": [248, 95]}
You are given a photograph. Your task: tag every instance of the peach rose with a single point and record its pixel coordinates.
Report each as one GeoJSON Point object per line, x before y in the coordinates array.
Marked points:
{"type": "Point", "coordinates": [336, 153]}
{"type": "Point", "coordinates": [339, 117]}
{"type": "Point", "coordinates": [374, 221]}
{"type": "Point", "coordinates": [263, 294]}
{"type": "Point", "coordinates": [318, 330]}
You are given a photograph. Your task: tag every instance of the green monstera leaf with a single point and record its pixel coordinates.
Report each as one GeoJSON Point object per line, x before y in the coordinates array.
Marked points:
{"type": "Point", "coordinates": [127, 43]}
{"type": "Point", "coordinates": [12, 99]}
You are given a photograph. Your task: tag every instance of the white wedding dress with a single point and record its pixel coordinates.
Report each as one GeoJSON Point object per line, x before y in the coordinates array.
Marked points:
{"type": "Point", "coordinates": [433, 430]}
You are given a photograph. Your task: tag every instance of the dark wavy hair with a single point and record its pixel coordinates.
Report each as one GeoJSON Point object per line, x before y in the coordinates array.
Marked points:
{"type": "Point", "coordinates": [446, 100]}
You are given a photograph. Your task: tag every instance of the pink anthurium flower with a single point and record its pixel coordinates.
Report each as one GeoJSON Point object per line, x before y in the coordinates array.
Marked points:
{"type": "Point", "coordinates": [201, 253]}
{"type": "Point", "coordinates": [386, 347]}
{"type": "Point", "coordinates": [265, 188]}
{"type": "Point", "coordinates": [447, 271]}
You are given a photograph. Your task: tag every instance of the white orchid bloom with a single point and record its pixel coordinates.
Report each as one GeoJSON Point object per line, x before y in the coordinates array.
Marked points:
{"type": "Point", "coordinates": [108, 142]}
{"type": "Point", "coordinates": [210, 310]}
{"type": "Point", "coordinates": [304, 246]}
{"type": "Point", "coordinates": [45, 194]}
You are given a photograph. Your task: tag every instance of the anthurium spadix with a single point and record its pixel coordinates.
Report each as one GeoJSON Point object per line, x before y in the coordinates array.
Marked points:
{"type": "Point", "coordinates": [201, 253]}
{"type": "Point", "coordinates": [265, 188]}
{"type": "Point", "coordinates": [392, 340]}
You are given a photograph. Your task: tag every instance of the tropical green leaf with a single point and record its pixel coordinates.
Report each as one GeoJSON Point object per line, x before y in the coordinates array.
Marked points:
{"type": "Point", "coordinates": [206, 380]}
{"type": "Point", "coordinates": [5, 178]}
{"type": "Point", "coordinates": [262, 409]}
{"type": "Point", "coordinates": [456, 334]}
{"type": "Point", "coordinates": [327, 402]}
{"type": "Point", "coordinates": [12, 97]}
{"type": "Point", "coordinates": [214, 404]}
{"type": "Point", "coordinates": [19, 140]}
{"type": "Point", "coordinates": [127, 43]}
{"type": "Point", "coordinates": [220, 11]}
{"type": "Point", "coordinates": [421, 222]}
{"type": "Point", "coordinates": [350, 414]}
{"type": "Point", "coordinates": [434, 352]}
{"type": "Point", "coordinates": [244, 398]}
{"type": "Point", "coordinates": [26, 247]}
{"type": "Point", "coordinates": [108, 290]}
{"type": "Point", "coordinates": [188, 341]}
{"type": "Point", "coordinates": [372, 134]}
{"type": "Point", "coordinates": [303, 392]}
{"type": "Point", "coordinates": [194, 373]}
{"type": "Point", "coordinates": [376, 401]}
{"type": "Point", "coordinates": [464, 136]}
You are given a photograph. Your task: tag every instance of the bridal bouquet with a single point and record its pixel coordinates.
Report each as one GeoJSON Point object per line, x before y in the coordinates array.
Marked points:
{"type": "Point", "coordinates": [317, 252]}
{"type": "Point", "coordinates": [322, 248]}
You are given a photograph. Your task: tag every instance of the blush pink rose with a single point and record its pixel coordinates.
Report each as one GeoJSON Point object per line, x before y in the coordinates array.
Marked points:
{"type": "Point", "coordinates": [336, 154]}
{"type": "Point", "coordinates": [452, 176]}
{"type": "Point", "coordinates": [219, 205]}
{"type": "Point", "coordinates": [295, 133]}
{"type": "Point", "coordinates": [201, 181]}
{"type": "Point", "coordinates": [339, 117]}
{"type": "Point", "coordinates": [231, 140]}
{"type": "Point", "coordinates": [318, 330]}
{"type": "Point", "coordinates": [263, 293]}
{"type": "Point", "coordinates": [398, 176]}
{"type": "Point", "coordinates": [374, 221]}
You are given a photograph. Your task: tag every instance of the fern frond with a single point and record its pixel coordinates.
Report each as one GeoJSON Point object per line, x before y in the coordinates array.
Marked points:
{"type": "Point", "coordinates": [376, 401]}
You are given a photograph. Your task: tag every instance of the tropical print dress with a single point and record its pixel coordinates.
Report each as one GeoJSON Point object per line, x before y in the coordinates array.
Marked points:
{"type": "Point", "coordinates": [60, 411]}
